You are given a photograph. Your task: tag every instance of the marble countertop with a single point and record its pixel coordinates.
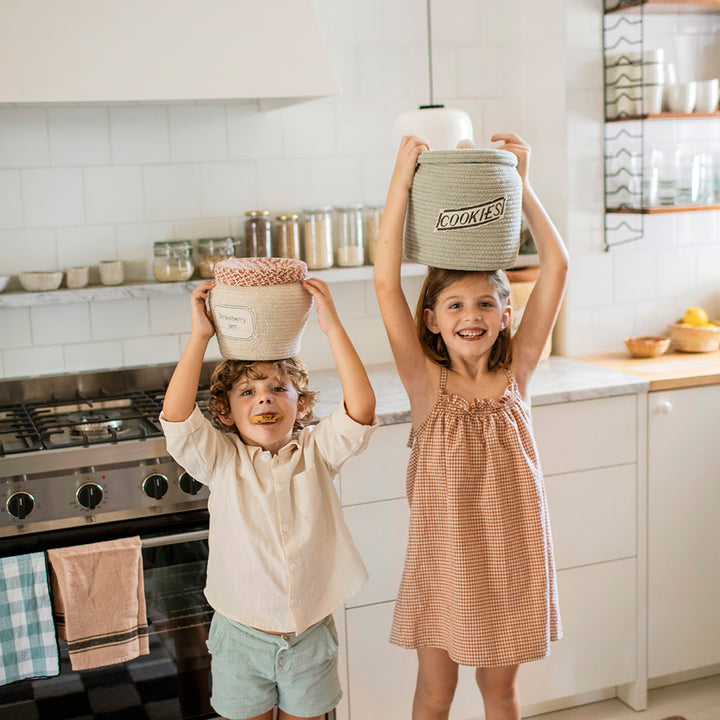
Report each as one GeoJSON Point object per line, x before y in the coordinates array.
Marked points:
{"type": "Point", "coordinates": [557, 379]}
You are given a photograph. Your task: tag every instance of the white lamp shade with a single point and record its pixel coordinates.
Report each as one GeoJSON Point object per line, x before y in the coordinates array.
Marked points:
{"type": "Point", "coordinates": [442, 128]}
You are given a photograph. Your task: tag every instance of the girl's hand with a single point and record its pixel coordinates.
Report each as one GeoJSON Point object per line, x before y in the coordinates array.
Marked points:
{"type": "Point", "coordinates": [410, 148]}
{"type": "Point", "coordinates": [202, 324]}
{"type": "Point", "coordinates": [327, 314]}
{"type": "Point", "coordinates": [518, 147]}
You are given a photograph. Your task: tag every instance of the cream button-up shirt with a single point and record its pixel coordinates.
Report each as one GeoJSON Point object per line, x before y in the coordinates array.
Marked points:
{"type": "Point", "coordinates": [281, 556]}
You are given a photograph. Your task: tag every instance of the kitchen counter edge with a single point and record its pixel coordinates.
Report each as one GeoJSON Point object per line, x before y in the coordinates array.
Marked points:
{"type": "Point", "coordinates": [557, 379]}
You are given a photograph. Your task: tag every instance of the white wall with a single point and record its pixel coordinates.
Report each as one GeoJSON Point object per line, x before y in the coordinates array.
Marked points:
{"type": "Point", "coordinates": [79, 184]}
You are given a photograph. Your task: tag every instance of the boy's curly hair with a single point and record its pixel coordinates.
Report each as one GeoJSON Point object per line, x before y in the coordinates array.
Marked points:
{"type": "Point", "coordinates": [437, 280]}
{"type": "Point", "coordinates": [228, 372]}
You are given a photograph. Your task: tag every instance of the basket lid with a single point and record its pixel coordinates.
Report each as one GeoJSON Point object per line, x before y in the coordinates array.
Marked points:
{"type": "Point", "coordinates": [468, 156]}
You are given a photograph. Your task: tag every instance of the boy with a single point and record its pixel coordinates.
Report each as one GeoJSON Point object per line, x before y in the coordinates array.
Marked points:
{"type": "Point", "coordinates": [281, 557]}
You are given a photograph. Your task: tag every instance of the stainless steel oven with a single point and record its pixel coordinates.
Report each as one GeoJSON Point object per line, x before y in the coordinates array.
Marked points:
{"type": "Point", "coordinates": [83, 459]}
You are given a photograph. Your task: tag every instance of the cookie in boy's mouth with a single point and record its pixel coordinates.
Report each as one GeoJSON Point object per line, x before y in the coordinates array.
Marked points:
{"type": "Point", "coordinates": [266, 418]}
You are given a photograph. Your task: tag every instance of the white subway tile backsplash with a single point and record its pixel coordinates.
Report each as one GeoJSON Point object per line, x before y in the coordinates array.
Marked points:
{"type": "Point", "coordinates": [82, 357]}
{"type": "Point", "coordinates": [139, 135]}
{"type": "Point", "coordinates": [32, 361]}
{"type": "Point", "coordinates": [338, 180]}
{"type": "Point", "coordinates": [11, 212]}
{"type": "Point", "coordinates": [15, 328]}
{"type": "Point", "coordinates": [151, 350]}
{"type": "Point", "coordinates": [53, 197]}
{"type": "Point", "coordinates": [457, 23]}
{"type": "Point", "coordinates": [135, 247]}
{"type": "Point", "coordinates": [172, 192]}
{"type": "Point", "coordinates": [308, 130]}
{"type": "Point", "coordinates": [253, 133]}
{"type": "Point", "coordinates": [60, 324]}
{"type": "Point", "coordinates": [227, 187]}
{"type": "Point", "coordinates": [170, 315]}
{"type": "Point", "coordinates": [634, 276]}
{"type": "Point", "coordinates": [23, 250]}
{"type": "Point", "coordinates": [591, 280]}
{"type": "Point", "coordinates": [482, 70]}
{"type": "Point", "coordinates": [283, 184]}
{"type": "Point", "coordinates": [198, 133]}
{"type": "Point", "coordinates": [116, 319]}
{"type": "Point", "coordinates": [24, 138]}
{"type": "Point", "coordinates": [85, 245]}
{"type": "Point", "coordinates": [79, 136]}
{"type": "Point", "coordinates": [676, 271]}
{"type": "Point", "coordinates": [113, 194]}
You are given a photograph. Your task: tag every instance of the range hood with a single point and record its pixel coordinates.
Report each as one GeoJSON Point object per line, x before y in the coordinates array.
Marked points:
{"type": "Point", "coordinates": [162, 50]}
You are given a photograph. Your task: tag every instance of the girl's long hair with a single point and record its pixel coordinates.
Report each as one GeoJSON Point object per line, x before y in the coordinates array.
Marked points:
{"type": "Point", "coordinates": [437, 280]}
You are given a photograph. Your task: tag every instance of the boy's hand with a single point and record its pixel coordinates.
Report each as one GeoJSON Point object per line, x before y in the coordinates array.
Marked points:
{"type": "Point", "coordinates": [327, 314]}
{"type": "Point", "coordinates": [202, 324]}
{"type": "Point", "coordinates": [518, 147]}
{"type": "Point", "coordinates": [410, 148]}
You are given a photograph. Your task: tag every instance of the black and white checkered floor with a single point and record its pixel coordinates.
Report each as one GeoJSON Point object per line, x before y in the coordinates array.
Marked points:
{"type": "Point", "coordinates": [146, 689]}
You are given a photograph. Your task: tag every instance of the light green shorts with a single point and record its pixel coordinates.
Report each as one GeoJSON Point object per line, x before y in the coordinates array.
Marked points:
{"type": "Point", "coordinates": [254, 671]}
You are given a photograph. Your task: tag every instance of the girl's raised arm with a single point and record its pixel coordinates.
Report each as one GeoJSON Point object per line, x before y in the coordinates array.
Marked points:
{"type": "Point", "coordinates": [396, 314]}
{"type": "Point", "coordinates": [543, 304]}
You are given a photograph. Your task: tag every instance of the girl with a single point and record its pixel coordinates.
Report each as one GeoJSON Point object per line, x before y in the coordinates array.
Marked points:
{"type": "Point", "coordinates": [479, 585]}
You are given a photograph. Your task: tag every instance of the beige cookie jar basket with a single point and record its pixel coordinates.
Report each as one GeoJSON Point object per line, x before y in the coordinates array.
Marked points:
{"type": "Point", "coordinates": [259, 307]}
{"type": "Point", "coordinates": [465, 210]}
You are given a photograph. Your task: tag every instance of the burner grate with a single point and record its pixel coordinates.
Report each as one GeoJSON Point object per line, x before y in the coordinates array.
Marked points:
{"type": "Point", "coordinates": [17, 432]}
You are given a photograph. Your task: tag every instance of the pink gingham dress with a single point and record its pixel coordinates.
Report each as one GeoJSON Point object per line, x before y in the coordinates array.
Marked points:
{"type": "Point", "coordinates": [479, 578]}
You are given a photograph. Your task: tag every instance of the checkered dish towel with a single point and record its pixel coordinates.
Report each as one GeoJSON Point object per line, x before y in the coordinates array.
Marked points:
{"type": "Point", "coordinates": [99, 602]}
{"type": "Point", "coordinates": [28, 646]}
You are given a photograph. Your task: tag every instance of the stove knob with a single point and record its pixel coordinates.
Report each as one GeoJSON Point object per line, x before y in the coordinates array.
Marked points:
{"type": "Point", "coordinates": [20, 505]}
{"type": "Point", "coordinates": [89, 495]}
{"type": "Point", "coordinates": [189, 484]}
{"type": "Point", "coordinates": [155, 486]}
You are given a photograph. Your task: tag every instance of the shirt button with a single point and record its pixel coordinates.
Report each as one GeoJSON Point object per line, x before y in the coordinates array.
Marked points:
{"type": "Point", "coordinates": [285, 527]}
{"type": "Point", "coordinates": [267, 456]}
{"type": "Point", "coordinates": [293, 567]}
{"type": "Point", "coordinates": [294, 602]}
{"type": "Point", "coordinates": [286, 638]}
{"type": "Point", "coordinates": [280, 488]}
{"type": "Point", "coordinates": [281, 661]}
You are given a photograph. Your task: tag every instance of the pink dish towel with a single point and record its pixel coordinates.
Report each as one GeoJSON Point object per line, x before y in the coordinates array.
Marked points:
{"type": "Point", "coordinates": [99, 601]}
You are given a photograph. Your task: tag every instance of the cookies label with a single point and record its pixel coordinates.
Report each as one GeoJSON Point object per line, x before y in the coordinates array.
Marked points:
{"type": "Point", "coordinates": [471, 216]}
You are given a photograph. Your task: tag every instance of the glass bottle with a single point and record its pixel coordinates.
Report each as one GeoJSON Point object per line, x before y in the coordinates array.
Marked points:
{"type": "Point", "coordinates": [258, 233]}
{"type": "Point", "coordinates": [318, 242]}
{"type": "Point", "coordinates": [287, 237]}
{"type": "Point", "coordinates": [350, 249]}
{"type": "Point", "coordinates": [373, 218]}
{"type": "Point", "coordinates": [172, 260]}
{"type": "Point", "coordinates": [211, 251]}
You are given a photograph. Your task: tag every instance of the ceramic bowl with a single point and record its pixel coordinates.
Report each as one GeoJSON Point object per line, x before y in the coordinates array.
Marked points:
{"type": "Point", "coordinates": [647, 346]}
{"type": "Point", "coordinates": [4, 280]}
{"type": "Point", "coordinates": [40, 281]}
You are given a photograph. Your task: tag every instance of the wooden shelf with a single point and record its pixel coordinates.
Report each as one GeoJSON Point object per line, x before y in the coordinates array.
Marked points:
{"type": "Point", "coordinates": [662, 210]}
{"type": "Point", "coordinates": [665, 6]}
{"type": "Point", "coordinates": [666, 116]}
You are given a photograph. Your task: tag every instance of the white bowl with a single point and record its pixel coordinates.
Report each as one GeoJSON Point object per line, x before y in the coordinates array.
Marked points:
{"type": "Point", "coordinates": [40, 281]}
{"type": "Point", "coordinates": [4, 280]}
{"type": "Point", "coordinates": [680, 98]}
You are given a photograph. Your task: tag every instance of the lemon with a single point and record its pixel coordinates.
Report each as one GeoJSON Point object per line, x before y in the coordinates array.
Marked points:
{"type": "Point", "coordinates": [695, 316]}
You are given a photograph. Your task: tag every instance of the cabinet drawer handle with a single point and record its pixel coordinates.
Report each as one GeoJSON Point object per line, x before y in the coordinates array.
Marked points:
{"type": "Point", "coordinates": [665, 407]}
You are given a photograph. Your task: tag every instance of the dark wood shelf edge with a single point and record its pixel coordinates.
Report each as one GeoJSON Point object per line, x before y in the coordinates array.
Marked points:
{"type": "Point", "coordinates": [665, 116]}
{"type": "Point", "coordinates": [666, 6]}
{"type": "Point", "coordinates": [661, 210]}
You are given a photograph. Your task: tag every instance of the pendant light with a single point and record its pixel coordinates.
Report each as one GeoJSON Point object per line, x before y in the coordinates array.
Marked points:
{"type": "Point", "coordinates": [441, 127]}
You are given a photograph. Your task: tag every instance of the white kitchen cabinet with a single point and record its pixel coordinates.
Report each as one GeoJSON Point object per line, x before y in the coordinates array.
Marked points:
{"type": "Point", "coordinates": [683, 530]}
{"type": "Point", "coordinates": [595, 486]}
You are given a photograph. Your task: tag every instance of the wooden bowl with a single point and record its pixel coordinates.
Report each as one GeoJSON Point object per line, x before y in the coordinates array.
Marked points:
{"type": "Point", "coordinates": [647, 346]}
{"type": "Point", "coordinates": [695, 338]}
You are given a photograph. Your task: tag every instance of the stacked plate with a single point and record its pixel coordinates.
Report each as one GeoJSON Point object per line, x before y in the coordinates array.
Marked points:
{"type": "Point", "coordinates": [634, 83]}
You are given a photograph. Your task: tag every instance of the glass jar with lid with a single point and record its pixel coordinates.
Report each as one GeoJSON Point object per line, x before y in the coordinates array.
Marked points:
{"type": "Point", "coordinates": [172, 260]}
{"type": "Point", "coordinates": [211, 251]}
{"type": "Point", "coordinates": [287, 236]}
{"type": "Point", "coordinates": [350, 247]}
{"type": "Point", "coordinates": [258, 233]}
{"type": "Point", "coordinates": [318, 241]}
{"type": "Point", "coordinates": [373, 218]}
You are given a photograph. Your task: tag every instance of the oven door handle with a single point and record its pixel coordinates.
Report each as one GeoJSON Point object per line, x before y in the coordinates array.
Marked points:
{"type": "Point", "coordinates": [175, 539]}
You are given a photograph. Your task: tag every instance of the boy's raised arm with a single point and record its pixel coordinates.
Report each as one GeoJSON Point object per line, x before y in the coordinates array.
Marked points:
{"type": "Point", "coordinates": [180, 396]}
{"type": "Point", "coordinates": [357, 391]}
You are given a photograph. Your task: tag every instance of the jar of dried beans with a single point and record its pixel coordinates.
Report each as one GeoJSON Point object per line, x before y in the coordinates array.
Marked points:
{"type": "Point", "coordinates": [211, 251]}
{"type": "Point", "coordinates": [287, 236]}
{"type": "Point", "coordinates": [173, 260]}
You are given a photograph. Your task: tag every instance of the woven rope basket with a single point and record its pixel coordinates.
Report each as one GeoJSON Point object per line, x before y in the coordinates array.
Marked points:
{"type": "Point", "coordinates": [687, 338]}
{"type": "Point", "coordinates": [263, 322]}
{"type": "Point", "coordinates": [465, 210]}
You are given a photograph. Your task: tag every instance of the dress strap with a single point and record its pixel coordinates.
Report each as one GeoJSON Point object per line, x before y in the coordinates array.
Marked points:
{"type": "Point", "coordinates": [443, 379]}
